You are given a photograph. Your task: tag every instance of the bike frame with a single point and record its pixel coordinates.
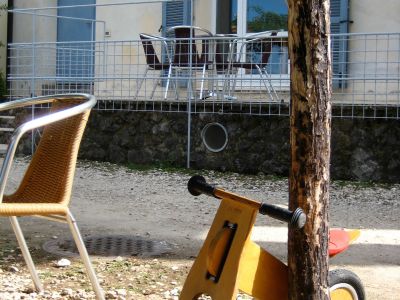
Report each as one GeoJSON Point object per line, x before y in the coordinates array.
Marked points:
{"type": "Point", "coordinates": [229, 261]}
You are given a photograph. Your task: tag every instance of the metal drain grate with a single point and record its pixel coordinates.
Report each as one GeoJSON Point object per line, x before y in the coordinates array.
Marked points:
{"type": "Point", "coordinates": [118, 245]}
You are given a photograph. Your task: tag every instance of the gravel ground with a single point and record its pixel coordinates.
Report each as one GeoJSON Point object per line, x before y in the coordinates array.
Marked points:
{"type": "Point", "coordinates": [154, 204]}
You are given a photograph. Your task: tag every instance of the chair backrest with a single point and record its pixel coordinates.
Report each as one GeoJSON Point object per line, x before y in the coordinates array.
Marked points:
{"type": "Point", "coordinates": [152, 59]}
{"type": "Point", "coordinates": [266, 48]}
{"type": "Point", "coordinates": [50, 174]}
{"type": "Point", "coordinates": [258, 44]}
{"type": "Point", "coordinates": [182, 52]}
{"type": "Point", "coordinates": [224, 45]}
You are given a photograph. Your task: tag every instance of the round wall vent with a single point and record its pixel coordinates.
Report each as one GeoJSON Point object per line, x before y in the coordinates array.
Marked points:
{"type": "Point", "coordinates": [215, 137]}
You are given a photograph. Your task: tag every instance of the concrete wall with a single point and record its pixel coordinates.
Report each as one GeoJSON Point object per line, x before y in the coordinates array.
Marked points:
{"type": "Point", "coordinates": [24, 32]}
{"type": "Point", "coordinates": [46, 27]}
{"type": "Point", "coordinates": [371, 54]}
{"type": "Point", "coordinates": [205, 14]}
{"type": "Point", "coordinates": [374, 16]}
{"type": "Point", "coordinates": [125, 22]}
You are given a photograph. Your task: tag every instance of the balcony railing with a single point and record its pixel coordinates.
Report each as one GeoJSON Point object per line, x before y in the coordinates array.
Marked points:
{"type": "Point", "coordinates": [216, 74]}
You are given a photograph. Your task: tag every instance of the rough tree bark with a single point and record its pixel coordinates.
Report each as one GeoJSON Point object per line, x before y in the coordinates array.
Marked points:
{"type": "Point", "coordinates": [309, 24]}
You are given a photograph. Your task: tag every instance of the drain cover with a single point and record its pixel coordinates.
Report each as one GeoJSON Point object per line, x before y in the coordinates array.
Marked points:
{"type": "Point", "coordinates": [115, 245]}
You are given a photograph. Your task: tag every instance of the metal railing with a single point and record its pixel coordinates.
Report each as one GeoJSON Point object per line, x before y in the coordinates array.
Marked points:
{"type": "Point", "coordinates": [218, 74]}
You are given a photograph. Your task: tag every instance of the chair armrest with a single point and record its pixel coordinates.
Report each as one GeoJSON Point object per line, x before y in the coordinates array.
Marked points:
{"type": "Point", "coordinates": [169, 56]}
{"type": "Point", "coordinates": [163, 40]}
{"type": "Point", "coordinates": [37, 123]}
{"type": "Point", "coordinates": [259, 36]}
{"type": "Point", "coordinates": [173, 28]}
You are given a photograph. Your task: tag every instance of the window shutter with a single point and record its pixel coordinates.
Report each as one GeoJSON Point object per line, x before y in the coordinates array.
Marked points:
{"type": "Point", "coordinates": [339, 24]}
{"type": "Point", "coordinates": [175, 13]}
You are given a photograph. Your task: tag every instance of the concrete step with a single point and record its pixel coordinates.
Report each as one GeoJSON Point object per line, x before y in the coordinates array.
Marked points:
{"type": "Point", "coordinates": [3, 148]}
{"type": "Point", "coordinates": [5, 121]}
{"type": "Point", "coordinates": [6, 129]}
{"type": "Point", "coordinates": [7, 117]}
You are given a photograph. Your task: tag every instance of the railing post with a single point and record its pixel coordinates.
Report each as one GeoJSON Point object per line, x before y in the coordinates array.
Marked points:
{"type": "Point", "coordinates": [190, 90]}
{"type": "Point", "coordinates": [33, 81]}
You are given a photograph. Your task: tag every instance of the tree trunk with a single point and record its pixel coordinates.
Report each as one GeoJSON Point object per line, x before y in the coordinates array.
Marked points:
{"type": "Point", "coordinates": [310, 146]}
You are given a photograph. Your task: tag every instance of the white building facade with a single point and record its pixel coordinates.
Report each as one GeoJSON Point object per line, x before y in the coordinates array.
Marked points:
{"type": "Point", "coordinates": [365, 42]}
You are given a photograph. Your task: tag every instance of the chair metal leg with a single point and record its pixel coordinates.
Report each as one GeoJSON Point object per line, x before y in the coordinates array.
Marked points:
{"type": "Point", "coordinates": [154, 88]}
{"type": "Point", "coordinates": [271, 85]}
{"type": "Point", "coordinates": [229, 89]}
{"type": "Point", "coordinates": [168, 80]}
{"type": "Point", "coordinates": [175, 89]}
{"type": "Point", "coordinates": [84, 255]}
{"type": "Point", "coordinates": [25, 253]}
{"type": "Point", "coordinates": [213, 82]}
{"type": "Point", "coordinates": [203, 75]}
{"type": "Point", "coordinates": [177, 85]}
{"type": "Point", "coordinates": [270, 89]}
{"type": "Point", "coordinates": [139, 85]}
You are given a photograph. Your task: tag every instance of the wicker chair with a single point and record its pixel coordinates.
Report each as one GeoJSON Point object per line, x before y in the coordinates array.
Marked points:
{"type": "Point", "coordinates": [45, 189]}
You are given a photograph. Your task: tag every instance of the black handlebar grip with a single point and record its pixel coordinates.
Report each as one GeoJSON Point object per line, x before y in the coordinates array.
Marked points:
{"type": "Point", "coordinates": [296, 218]}
{"type": "Point", "coordinates": [197, 185]}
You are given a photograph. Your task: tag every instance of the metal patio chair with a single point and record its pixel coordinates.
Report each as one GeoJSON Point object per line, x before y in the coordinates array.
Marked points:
{"type": "Point", "coordinates": [154, 47]}
{"type": "Point", "coordinates": [192, 51]}
{"type": "Point", "coordinates": [260, 42]}
{"type": "Point", "coordinates": [45, 189]}
{"type": "Point", "coordinates": [225, 47]}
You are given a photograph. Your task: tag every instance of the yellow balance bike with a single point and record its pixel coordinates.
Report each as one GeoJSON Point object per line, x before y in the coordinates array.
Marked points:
{"type": "Point", "coordinates": [229, 261]}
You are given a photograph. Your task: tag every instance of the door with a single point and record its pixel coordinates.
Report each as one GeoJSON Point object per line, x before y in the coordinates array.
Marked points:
{"type": "Point", "coordinates": [75, 37]}
{"type": "Point", "coordinates": [246, 17]}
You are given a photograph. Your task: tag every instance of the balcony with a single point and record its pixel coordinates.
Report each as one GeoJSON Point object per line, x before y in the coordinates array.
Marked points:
{"type": "Point", "coordinates": [241, 75]}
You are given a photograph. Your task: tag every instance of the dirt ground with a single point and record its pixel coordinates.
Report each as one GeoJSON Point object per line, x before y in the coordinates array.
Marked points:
{"type": "Point", "coordinates": [155, 205]}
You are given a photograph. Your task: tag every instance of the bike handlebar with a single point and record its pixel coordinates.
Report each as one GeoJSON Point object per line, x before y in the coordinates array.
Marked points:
{"type": "Point", "coordinates": [198, 185]}
{"type": "Point", "coordinates": [296, 218]}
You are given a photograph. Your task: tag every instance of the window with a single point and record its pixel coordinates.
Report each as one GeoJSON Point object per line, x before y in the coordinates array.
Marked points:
{"type": "Point", "coordinates": [261, 15]}
{"type": "Point", "coordinates": [266, 15]}
{"type": "Point", "coordinates": [244, 17]}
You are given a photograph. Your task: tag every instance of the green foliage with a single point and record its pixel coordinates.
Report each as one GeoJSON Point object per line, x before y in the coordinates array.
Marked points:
{"type": "Point", "coordinates": [3, 85]}
{"type": "Point", "coordinates": [3, 7]}
{"type": "Point", "coordinates": [267, 20]}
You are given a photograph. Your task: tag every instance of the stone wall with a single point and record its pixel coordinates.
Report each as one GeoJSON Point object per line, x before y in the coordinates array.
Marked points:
{"type": "Point", "coordinates": [362, 149]}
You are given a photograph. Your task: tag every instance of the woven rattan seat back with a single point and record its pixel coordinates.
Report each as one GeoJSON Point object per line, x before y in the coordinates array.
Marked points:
{"type": "Point", "coordinates": [49, 176]}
